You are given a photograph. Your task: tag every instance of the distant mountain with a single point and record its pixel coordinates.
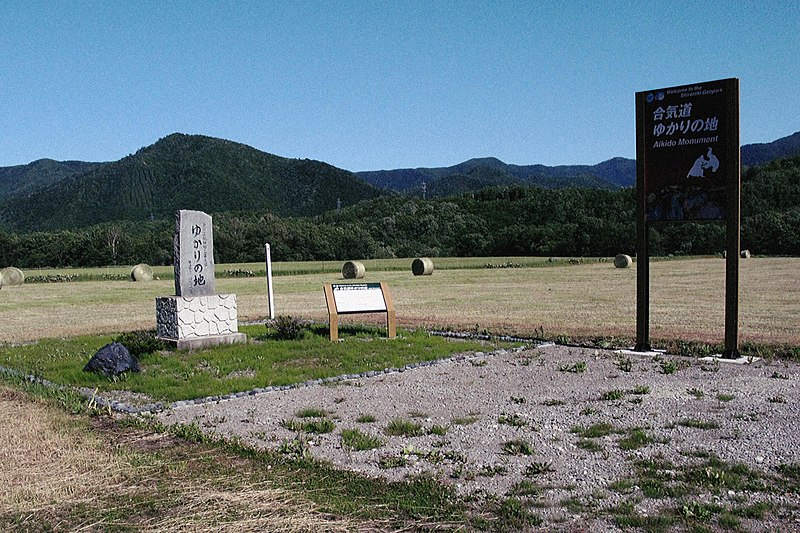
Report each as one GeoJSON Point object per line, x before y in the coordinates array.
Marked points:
{"type": "Point", "coordinates": [186, 172]}
{"type": "Point", "coordinates": [479, 173]}
{"type": "Point", "coordinates": [215, 175]}
{"type": "Point", "coordinates": [21, 180]}
{"type": "Point", "coordinates": [758, 154]}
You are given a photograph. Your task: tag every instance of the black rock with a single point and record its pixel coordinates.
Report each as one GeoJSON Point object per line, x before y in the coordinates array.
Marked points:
{"type": "Point", "coordinates": [112, 360]}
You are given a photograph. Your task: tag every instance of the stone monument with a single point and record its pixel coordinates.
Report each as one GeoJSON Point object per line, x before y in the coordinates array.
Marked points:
{"type": "Point", "coordinates": [196, 317]}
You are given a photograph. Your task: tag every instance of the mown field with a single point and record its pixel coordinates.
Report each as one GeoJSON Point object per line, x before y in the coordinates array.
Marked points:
{"type": "Point", "coordinates": [530, 297]}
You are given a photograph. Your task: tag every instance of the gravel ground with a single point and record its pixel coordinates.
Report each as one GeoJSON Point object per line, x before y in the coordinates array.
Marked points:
{"type": "Point", "coordinates": [535, 398]}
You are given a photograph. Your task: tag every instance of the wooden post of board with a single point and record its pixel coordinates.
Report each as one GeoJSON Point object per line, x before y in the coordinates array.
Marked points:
{"type": "Point", "coordinates": [350, 298]}
{"type": "Point", "coordinates": [391, 327]}
{"type": "Point", "coordinates": [333, 316]}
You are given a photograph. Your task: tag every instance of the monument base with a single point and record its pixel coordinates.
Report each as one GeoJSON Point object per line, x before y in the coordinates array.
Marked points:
{"type": "Point", "coordinates": [199, 321]}
{"type": "Point", "coordinates": [209, 341]}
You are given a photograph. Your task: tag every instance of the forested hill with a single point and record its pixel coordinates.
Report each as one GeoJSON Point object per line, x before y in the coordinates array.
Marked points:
{"type": "Point", "coordinates": [758, 154]}
{"type": "Point", "coordinates": [476, 174]}
{"type": "Point", "coordinates": [186, 172]}
{"type": "Point", "coordinates": [22, 180]}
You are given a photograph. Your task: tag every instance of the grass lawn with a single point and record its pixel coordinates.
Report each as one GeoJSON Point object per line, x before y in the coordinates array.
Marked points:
{"type": "Point", "coordinates": [262, 362]}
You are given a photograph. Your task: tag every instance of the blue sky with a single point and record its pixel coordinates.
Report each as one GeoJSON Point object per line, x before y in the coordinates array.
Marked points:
{"type": "Point", "coordinates": [379, 84]}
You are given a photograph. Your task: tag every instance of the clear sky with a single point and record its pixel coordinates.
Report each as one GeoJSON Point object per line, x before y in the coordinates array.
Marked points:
{"type": "Point", "coordinates": [373, 84]}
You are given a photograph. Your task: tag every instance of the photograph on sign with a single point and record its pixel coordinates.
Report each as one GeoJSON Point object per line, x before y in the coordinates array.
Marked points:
{"type": "Point", "coordinates": [685, 144]}
{"type": "Point", "coordinates": [358, 298]}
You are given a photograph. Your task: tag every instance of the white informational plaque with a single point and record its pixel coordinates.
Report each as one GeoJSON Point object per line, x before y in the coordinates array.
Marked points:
{"type": "Point", "coordinates": [358, 298]}
{"type": "Point", "coordinates": [348, 298]}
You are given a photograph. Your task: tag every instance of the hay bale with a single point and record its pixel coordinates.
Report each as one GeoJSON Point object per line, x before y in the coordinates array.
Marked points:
{"type": "Point", "coordinates": [745, 254]}
{"type": "Point", "coordinates": [353, 270]}
{"type": "Point", "coordinates": [142, 272]}
{"type": "Point", "coordinates": [13, 276]}
{"type": "Point", "coordinates": [623, 261]}
{"type": "Point", "coordinates": [422, 266]}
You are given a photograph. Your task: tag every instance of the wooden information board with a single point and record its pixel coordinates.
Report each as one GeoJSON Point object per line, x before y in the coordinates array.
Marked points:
{"type": "Point", "coordinates": [351, 298]}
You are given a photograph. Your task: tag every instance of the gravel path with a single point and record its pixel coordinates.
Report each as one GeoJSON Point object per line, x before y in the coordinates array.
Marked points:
{"type": "Point", "coordinates": [479, 410]}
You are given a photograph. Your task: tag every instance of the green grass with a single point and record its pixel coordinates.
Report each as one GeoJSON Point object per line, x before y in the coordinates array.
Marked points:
{"type": "Point", "coordinates": [358, 441]}
{"type": "Point", "coordinates": [401, 427]}
{"type": "Point", "coordinates": [636, 438]}
{"type": "Point", "coordinates": [317, 425]}
{"type": "Point", "coordinates": [182, 375]}
{"type": "Point", "coordinates": [595, 431]}
{"type": "Point", "coordinates": [698, 424]}
{"type": "Point", "coordinates": [517, 447]}
{"type": "Point", "coordinates": [465, 420]}
{"type": "Point", "coordinates": [612, 395]}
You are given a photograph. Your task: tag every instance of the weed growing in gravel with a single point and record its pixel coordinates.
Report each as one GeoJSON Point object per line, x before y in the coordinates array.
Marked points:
{"type": "Point", "coordinates": [613, 395]}
{"type": "Point", "coordinates": [465, 420]}
{"type": "Point", "coordinates": [316, 426]}
{"type": "Point", "coordinates": [576, 368]}
{"type": "Point", "coordinates": [311, 412]}
{"type": "Point", "coordinates": [538, 468]}
{"type": "Point", "coordinates": [511, 420]}
{"type": "Point", "coordinates": [636, 438]}
{"type": "Point", "coordinates": [295, 449]}
{"type": "Point", "coordinates": [624, 364]}
{"type": "Point", "coordinates": [358, 441]}
{"type": "Point", "coordinates": [437, 430]}
{"type": "Point", "coordinates": [697, 393]}
{"type": "Point", "coordinates": [400, 427]}
{"type": "Point", "coordinates": [724, 397]}
{"type": "Point", "coordinates": [698, 424]}
{"type": "Point", "coordinates": [552, 402]}
{"type": "Point", "coordinates": [590, 445]}
{"type": "Point", "coordinates": [588, 411]}
{"type": "Point", "coordinates": [392, 461]}
{"type": "Point", "coordinates": [365, 419]}
{"type": "Point", "coordinates": [640, 390]}
{"type": "Point", "coordinates": [595, 431]}
{"type": "Point", "coordinates": [513, 515]}
{"type": "Point", "coordinates": [492, 470]}
{"type": "Point", "coordinates": [525, 488]}
{"type": "Point", "coordinates": [668, 367]}
{"type": "Point", "coordinates": [517, 447]}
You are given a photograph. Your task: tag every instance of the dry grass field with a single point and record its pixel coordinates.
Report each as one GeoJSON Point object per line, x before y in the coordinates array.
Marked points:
{"type": "Point", "coordinates": [587, 300]}
{"type": "Point", "coordinates": [52, 466]}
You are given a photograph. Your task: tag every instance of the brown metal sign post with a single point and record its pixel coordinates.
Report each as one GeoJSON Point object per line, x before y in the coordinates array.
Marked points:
{"type": "Point", "coordinates": [688, 168]}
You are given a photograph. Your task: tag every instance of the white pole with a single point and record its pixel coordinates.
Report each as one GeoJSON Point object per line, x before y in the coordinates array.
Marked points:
{"type": "Point", "coordinates": [270, 296]}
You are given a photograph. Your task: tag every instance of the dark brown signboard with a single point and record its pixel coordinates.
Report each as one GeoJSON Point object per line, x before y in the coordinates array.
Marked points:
{"type": "Point", "coordinates": [690, 155]}
{"type": "Point", "coordinates": [687, 168]}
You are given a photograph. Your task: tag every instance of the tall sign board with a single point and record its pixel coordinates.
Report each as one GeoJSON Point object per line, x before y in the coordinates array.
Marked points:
{"type": "Point", "coordinates": [688, 169]}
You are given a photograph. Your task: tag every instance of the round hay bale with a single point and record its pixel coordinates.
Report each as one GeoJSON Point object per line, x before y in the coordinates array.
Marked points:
{"type": "Point", "coordinates": [422, 266]}
{"type": "Point", "coordinates": [142, 272]}
{"type": "Point", "coordinates": [623, 261]}
{"type": "Point", "coordinates": [13, 276]}
{"type": "Point", "coordinates": [745, 254]}
{"type": "Point", "coordinates": [353, 270]}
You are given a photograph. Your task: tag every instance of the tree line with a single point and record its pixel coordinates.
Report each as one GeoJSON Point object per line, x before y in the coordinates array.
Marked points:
{"type": "Point", "coordinates": [498, 221]}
